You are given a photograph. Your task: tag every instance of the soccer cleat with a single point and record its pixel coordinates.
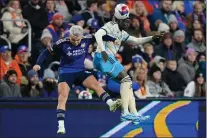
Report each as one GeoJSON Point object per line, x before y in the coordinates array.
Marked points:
{"type": "Point", "coordinates": [140, 119]}
{"type": "Point", "coordinates": [128, 117]}
{"type": "Point", "coordinates": [116, 104]}
{"type": "Point", "coordinates": [61, 130]}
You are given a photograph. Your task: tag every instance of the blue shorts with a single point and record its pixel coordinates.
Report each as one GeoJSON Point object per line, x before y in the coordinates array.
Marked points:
{"type": "Point", "coordinates": [74, 78]}
{"type": "Point", "coordinates": [112, 67]}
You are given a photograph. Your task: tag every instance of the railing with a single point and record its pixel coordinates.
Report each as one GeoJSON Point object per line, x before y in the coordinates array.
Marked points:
{"type": "Point", "coordinates": [29, 31]}
{"type": "Point", "coordinates": [7, 40]}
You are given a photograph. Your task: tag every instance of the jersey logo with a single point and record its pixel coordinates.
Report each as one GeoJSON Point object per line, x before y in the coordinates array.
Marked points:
{"type": "Point", "coordinates": [124, 10]}
{"type": "Point", "coordinates": [83, 45]}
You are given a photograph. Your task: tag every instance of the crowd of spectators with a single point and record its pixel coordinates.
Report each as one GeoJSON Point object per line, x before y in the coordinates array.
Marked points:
{"type": "Point", "coordinates": [175, 66]}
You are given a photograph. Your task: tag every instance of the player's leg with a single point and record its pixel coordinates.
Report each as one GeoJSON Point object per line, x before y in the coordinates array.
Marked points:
{"type": "Point", "coordinates": [112, 68]}
{"type": "Point", "coordinates": [63, 92]}
{"type": "Point", "coordinates": [64, 83]}
{"type": "Point", "coordinates": [90, 82]}
{"type": "Point", "coordinates": [126, 87]}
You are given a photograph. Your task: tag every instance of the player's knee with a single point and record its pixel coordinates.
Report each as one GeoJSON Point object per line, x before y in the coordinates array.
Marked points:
{"type": "Point", "coordinates": [124, 77]}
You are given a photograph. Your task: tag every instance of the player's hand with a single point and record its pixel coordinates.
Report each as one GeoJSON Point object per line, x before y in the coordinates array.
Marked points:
{"type": "Point", "coordinates": [158, 36]}
{"type": "Point", "coordinates": [36, 68]}
{"type": "Point", "coordinates": [46, 41]}
{"type": "Point", "coordinates": [104, 56]}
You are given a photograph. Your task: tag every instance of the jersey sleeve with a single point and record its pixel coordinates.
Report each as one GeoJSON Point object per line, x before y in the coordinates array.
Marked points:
{"type": "Point", "coordinates": [108, 27]}
{"type": "Point", "coordinates": [91, 39]}
{"type": "Point", "coordinates": [125, 35]}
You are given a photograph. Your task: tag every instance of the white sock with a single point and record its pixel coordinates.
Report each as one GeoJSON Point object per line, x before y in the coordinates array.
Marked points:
{"type": "Point", "coordinates": [109, 102]}
{"type": "Point", "coordinates": [132, 103]}
{"type": "Point", "coordinates": [124, 91]}
{"type": "Point", "coordinates": [61, 123]}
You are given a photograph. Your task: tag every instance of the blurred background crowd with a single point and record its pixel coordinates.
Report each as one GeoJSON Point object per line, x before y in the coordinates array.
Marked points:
{"type": "Point", "coordinates": [175, 66]}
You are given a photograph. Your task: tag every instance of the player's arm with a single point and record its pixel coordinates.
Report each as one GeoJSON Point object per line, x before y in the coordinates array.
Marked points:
{"type": "Point", "coordinates": [143, 39]}
{"type": "Point", "coordinates": [47, 52]}
{"type": "Point", "coordinates": [44, 54]}
{"type": "Point", "coordinates": [99, 39]}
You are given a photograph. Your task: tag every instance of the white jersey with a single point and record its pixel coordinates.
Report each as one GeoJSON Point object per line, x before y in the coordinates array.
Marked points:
{"type": "Point", "coordinates": [113, 31]}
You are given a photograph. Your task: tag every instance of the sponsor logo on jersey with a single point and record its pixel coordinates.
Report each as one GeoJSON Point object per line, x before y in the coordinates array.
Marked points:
{"type": "Point", "coordinates": [83, 45]}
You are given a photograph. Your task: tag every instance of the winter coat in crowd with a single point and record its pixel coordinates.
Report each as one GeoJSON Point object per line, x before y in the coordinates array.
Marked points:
{"type": "Point", "coordinates": [187, 70]}
{"type": "Point", "coordinates": [175, 81]}
{"type": "Point", "coordinates": [8, 89]}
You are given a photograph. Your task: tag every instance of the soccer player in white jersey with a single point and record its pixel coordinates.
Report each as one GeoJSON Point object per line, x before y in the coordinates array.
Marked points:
{"type": "Point", "coordinates": [106, 62]}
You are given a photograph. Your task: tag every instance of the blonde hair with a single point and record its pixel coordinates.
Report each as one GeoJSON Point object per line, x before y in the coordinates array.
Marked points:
{"type": "Point", "coordinates": [133, 10]}
{"type": "Point", "coordinates": [11, 2]}
{"type": "Point", "coordinates": [137, 72]}
{"type": "Point", "coordinates": [146, 45]}
{"type": "Point", "coordinates": [176, 4]}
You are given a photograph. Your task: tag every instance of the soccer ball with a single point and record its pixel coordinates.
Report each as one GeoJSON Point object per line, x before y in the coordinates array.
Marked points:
{"type": "Point", "coordinates": [84, 95]}
{"type": "Point", "coordinates": [121, 11]}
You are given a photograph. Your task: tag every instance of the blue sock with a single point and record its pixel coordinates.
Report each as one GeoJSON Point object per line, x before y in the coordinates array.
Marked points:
{"type": "Point", "coordinates": [105, 97]}
{"type": "Point", "coordinates": [60, 114]}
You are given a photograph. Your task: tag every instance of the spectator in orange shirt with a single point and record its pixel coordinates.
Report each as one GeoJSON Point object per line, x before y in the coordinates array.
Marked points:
{"type": "Point", "coordinates": [7, 63]}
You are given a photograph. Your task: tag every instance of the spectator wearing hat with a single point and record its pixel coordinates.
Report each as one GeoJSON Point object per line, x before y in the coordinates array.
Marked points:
{"type": "Point", "coordinates": [137, 62]}
{"type": "Point", "coordinates": [16, 30]}
{"type": "Point", "coordinates": [93, 25]}
{"type": "Point", "coordinates": [179, 44]}
{"type": "Point", "coordinates": [187, 65]}
{"type": "Point", "coordinates": [197, 87]}
{"type": "Point", "coordinates": [22, 59]}
{"type": "Point", "coordinates": [197, 41]}
{"type": "Point", "coordinates": [50, 8]}
{"type": "Point", "coordinates": [163, 27]}
{"type": "Point", "coordinates": [157, 87]}
{"type": "Point", "coordinates": [202, 64]}
{"type": "Point", "coordinates": [54, 31]}
{"type": "Point", "coordinates": [7, 63]}
{"type": "Point", "coordinates": [9, 87]}
{"type": "Point", "coordinates": [165, 50]}
{"type": "Point", "coordinates": [49, 84]}
{"type": "Point", "coordinates": [173, 23]}
{"type": "Point", "coordinates": [159, 62]}
{"type": "Point", "coordinates": [34, 88]}
{"type": "Point", "coordinates": [174, 79]}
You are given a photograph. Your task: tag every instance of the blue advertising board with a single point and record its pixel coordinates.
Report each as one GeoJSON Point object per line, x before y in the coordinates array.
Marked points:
{"type": "Point", "coordinates": [37, 119]}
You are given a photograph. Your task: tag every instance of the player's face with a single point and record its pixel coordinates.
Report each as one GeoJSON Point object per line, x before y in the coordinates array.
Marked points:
{"type": "Point", "coordinates": [75, 40]}
{"type": "Point", "coordinates": [124, 24]}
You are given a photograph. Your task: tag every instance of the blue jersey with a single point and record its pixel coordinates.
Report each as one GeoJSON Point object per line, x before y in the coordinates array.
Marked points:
{"type": "Point", "coordinates": [72, 57]}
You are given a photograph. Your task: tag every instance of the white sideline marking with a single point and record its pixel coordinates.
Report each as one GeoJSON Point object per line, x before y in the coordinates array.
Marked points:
{"type": "Point", "coordinates": [123, 124]}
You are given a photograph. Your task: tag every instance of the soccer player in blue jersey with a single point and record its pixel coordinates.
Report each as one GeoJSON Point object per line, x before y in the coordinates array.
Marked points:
{"type": "Point", "coordinates": [106, 62]}
{"type": "Point", "coordinates": [72, 70]}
